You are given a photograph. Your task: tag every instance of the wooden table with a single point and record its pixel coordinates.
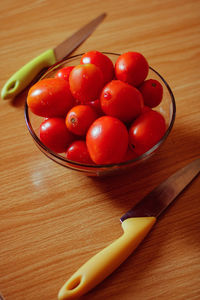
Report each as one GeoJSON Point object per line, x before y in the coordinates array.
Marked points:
{"type": "Point", "coordinates": [53, 219]}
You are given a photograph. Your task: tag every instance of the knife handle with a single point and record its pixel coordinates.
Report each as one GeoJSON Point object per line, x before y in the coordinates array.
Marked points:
{"type": "Point", "coordinates": [21, 79]}
{"type": "Point", "coordinates": [105, 262]}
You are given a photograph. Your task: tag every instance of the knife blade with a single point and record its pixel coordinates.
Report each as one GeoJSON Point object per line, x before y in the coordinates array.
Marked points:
{"type": "Point", "coordinates": [136, 224]}
{"type": "Point", "coordinates": [23, 77]}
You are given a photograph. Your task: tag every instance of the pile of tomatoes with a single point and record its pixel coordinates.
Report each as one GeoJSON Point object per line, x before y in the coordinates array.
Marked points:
{"type": "Point", "coordinates": [97, 112]}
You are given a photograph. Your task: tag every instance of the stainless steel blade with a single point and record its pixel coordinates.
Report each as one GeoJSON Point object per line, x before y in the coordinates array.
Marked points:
{"type": "Point", "coordinates": [158, 200]}
{"type": "Point", "coordinates": [70, 44]}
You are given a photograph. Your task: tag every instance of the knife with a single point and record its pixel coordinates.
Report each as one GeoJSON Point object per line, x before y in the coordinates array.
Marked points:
{"type": "Point", "coordinates": [21, 79]}
{"type": "Point", "coordinates": [136, 223]}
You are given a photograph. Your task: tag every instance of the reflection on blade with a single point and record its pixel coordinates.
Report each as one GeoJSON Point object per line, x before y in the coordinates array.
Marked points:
{"type": "Point", "coordinates": [157, 201]}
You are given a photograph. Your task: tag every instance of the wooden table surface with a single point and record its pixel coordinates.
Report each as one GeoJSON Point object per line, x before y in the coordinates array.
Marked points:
{"type": "Point", "coordinates": [53, 219]}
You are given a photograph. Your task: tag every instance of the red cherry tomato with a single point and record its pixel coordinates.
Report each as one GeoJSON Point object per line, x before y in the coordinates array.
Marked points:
{"type": "Point", "coordinates": [102, 61]}
{"type": "Point", "coordinates": [146, 131]}
{"type": "Point", "coordinates": [96, 105]}
{"type": "Point", "coordinates": [152, 92]}
{"type": "Point", "coordinates": [130, 154]}
{"type": "Point", "coordinates": [64, 73]}
{"type": "Point", "coordinates": [107, 140]}
{"type": "Point", "coordinates": [78, 152]}
{"type": "Point", "coordinates": [86, 82]}
{"type": "Point", "coordinates": [121, 100]}
{"type": "Point", "coordinates": [50, 97]}
{"type": "Point", "coordinates": [145, 109]}
{"type": "Point", "coordinates": [131, 67]}
{"type": "Point", "coordinates": [55, 135]}
{"type": "Point", "coordinates": [79, 119]}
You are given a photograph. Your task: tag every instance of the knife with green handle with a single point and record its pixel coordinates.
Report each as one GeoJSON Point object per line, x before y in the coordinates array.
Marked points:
{"type": "Point", "coordinates": [136, 224]}
{"type": "Point", "coordinates": [22, 78]}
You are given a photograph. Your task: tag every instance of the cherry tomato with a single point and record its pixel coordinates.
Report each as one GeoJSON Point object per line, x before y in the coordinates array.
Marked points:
{"type": "Point", "coordinates": [64, 73]}
{"type": "Point", "coordinates": [152, 92]}
{"type": "Point", "coordinates": [131, 67]}
{"type": "Point", "coordinates": [55, 135]}
{"type": "Point", "coordinates": [130, 154]}
{"type": "Point", "coordinates": [107, 140]}
{"type": "Point", "coordinates": [79, 119]}
{"type": "Point", "coordinates": [121, 100]}
{"type": "Point", "coordinates": [78, 152]}
{"type": "Point", "coordinates": [102, 61]}
{"type": "Point", "coordinates": [96, 105]}
{"type": "Point", "coordinates": [145, 109]}
{"type": "Point", "coordinates": [50, 97]}
{"type": "Point", "coordinates": [86, 82]}
{"type": "Point", "coordinates": [146, 131]}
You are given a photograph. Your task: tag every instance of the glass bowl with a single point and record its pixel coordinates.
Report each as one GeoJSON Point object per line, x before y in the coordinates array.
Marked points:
{"type": "Point", "coordinates": [167, 108]}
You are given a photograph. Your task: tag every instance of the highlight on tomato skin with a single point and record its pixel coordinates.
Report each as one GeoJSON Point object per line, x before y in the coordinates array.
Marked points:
{"type": "Point", "coordinates": [50, 97]}
{"type": "Point", "coordinates": [146, 131]}
{"type": "Point", "coordinates": [102, 61]}
{"type": "Point", "coordinates": [64, 73]}
{"type": "Point", "coordinates": [107, 140]}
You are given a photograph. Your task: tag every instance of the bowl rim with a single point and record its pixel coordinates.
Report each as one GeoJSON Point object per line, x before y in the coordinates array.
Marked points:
{"type": "Point", "coordinates": [99, 166]}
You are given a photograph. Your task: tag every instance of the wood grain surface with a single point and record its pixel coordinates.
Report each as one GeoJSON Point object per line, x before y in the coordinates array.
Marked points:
{"type": "Point", "coordinates": [53, 219]}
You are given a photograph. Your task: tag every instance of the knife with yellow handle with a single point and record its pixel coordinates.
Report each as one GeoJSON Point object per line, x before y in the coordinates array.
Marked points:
{"type": "Point", "coordinates": [136, 224]}
{"type": "Point", "coordinates": [22, 78]}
